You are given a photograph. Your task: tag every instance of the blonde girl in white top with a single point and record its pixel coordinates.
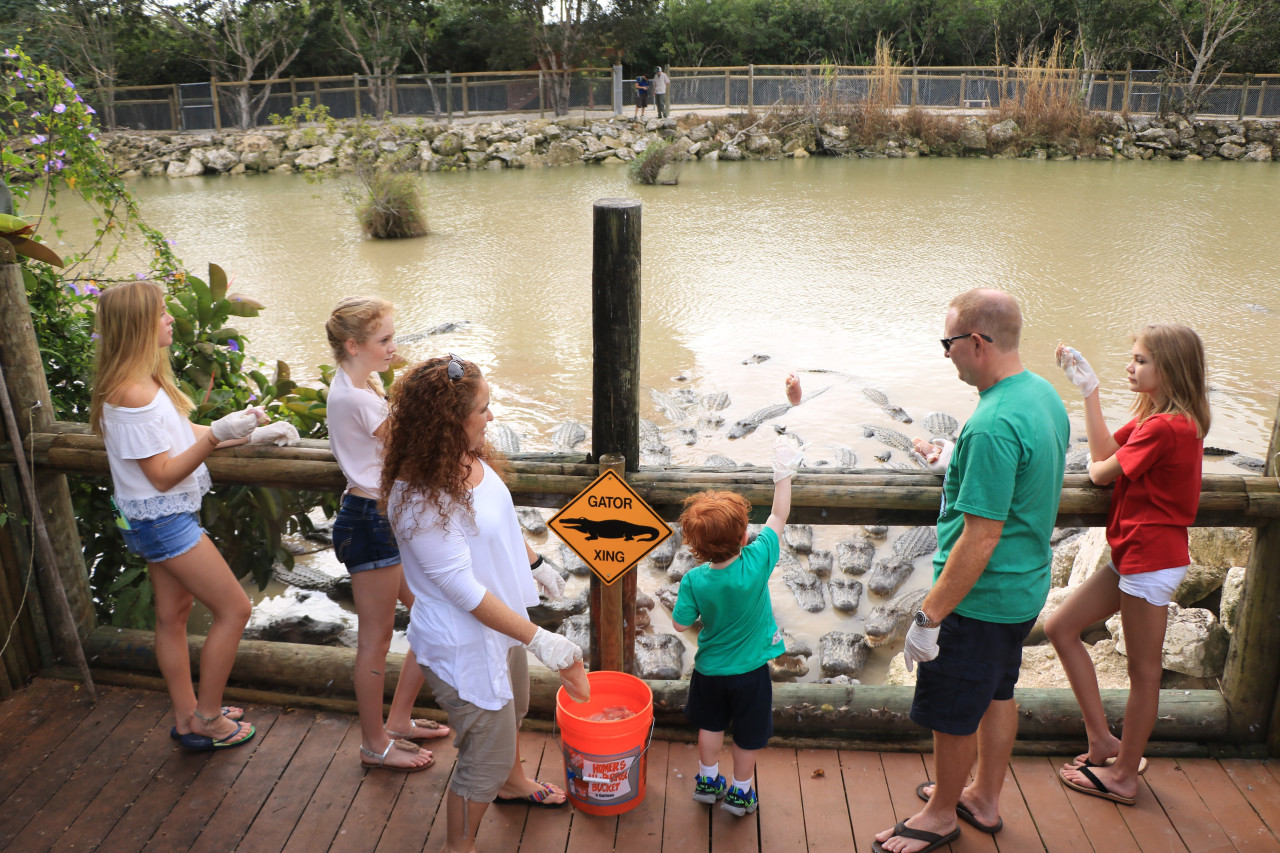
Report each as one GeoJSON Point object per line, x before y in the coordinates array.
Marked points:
{"type": "Point", "coordinates": [361, 332]}
{"type": "Point", "coordinates": [157, 467]}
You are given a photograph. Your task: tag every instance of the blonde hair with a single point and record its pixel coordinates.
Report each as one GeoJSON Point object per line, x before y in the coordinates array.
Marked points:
{"type": "Point", "coordinates": [1178, 355]}
{"type": "Point", "coordinates": [991, 312]}
{"type": "Point", "coordinates": [355, 318]}
{"type": "Point", "coordinates": [128, 325]}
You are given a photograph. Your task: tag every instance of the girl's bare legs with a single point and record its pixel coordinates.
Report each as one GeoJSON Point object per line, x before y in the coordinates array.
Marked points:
{"type": "Point", "coordinates": [375, 599]}
{"type": "Point", "coordinates": [200, 574]}
{"type": "Point", "coordinates": [1095, 600]}
{"type": "Point", "coordinates": [400, 717]}
{"type": "Point", "coordinates": [1144, 626]}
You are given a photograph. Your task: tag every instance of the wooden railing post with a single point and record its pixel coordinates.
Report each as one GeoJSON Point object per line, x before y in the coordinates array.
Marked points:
{"type": "Point", "coordinates": [615, 330]}
{"type": "Point", "coordinates": [1251, 680]}
{"type": "Point", "coordinates": [613, 607]}
{"type": "Point", "coordinates": [217, 111]}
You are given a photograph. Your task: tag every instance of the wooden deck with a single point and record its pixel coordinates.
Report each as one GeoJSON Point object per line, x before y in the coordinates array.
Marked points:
{"type": "Point", "coordinates": [79, 777]}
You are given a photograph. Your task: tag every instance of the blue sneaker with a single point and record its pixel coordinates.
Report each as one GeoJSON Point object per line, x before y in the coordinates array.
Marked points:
{"type": "Point", "coordinates": [708, 790]}
{"type": "Point", "coordinates": [739, 803]}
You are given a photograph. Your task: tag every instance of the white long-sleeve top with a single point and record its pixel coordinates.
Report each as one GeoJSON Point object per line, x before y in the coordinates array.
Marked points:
{"type": "Point", "coordinates": [449, 567]}
{"type": "Point", "coordinates": [133, 433]}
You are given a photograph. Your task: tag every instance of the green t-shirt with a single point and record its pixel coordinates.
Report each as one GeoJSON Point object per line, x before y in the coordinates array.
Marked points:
{"type": "Point", "coordinates": [738, 631]}
{"type": "Point", "coordinates": [1007, 466]}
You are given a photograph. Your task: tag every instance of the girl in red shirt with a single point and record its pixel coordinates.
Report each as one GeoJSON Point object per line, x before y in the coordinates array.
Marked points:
{"type": "Point", "coordinates": [1155, 463]}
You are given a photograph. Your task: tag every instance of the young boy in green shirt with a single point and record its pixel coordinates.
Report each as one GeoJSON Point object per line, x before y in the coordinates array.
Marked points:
{"type": "Point", "coordinates": [730, 593]}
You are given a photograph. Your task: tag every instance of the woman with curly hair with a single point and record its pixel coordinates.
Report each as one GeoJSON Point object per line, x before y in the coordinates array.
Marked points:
{"type": "Point", "coordinates": [469, 568]}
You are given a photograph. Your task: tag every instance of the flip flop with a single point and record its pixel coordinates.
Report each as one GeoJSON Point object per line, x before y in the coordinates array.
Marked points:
{"type": "Point", "coordinates": [232, 713]}
{"type": "Point", "coordinates": [538, 799]}
{"type": "Point", "coordinates": [380, 758]}
{"type": "Point", "coordinates": [193, 742]}
{"type": "Point", "coordinates": [1100, 790]}
{"type": "Point", "coordinates": [934, 839]}
{"type": "Point", "coordinates": [431, 727]}
{"type": "Point", "coordinates": [1082, 760]}
{"type": "Point", "coordinates": [962, 812]}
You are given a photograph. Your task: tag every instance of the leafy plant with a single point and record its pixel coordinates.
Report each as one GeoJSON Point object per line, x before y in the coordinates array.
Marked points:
{"type": "Point", "coordinates": [303, 115]}
{"type": "Point", "coordinates": [649, 165]}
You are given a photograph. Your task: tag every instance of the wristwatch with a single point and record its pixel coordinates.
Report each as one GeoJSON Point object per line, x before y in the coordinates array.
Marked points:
{"type": "Point", "coordinates": [924, 621]}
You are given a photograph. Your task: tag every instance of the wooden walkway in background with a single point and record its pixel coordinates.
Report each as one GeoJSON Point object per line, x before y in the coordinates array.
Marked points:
{"type": "Point", "coordinates": [79, 777]}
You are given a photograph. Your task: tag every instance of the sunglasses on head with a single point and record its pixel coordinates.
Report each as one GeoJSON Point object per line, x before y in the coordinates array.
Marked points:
{"type": "Point", "coordinates": [455, 367]}
{"type": "Point", "coordinates": [947, 342]}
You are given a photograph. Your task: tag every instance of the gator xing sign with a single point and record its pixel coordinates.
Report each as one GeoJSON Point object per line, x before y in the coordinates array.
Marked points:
{"type": "Point", "coordinates": [609, 526]}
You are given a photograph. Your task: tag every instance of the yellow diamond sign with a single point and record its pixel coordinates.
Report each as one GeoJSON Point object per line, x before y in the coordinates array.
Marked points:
{"type": "Point", "coordinates": [609, 526]}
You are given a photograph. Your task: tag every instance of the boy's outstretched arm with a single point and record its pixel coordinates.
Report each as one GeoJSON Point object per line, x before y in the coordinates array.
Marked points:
{"type": "Point", "coordinates": [787, 457]}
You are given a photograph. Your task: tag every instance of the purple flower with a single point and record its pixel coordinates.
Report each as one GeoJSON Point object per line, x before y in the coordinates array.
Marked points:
{"type": "Point", "coordinates": [59, 108]}
{"type": "Point", "coordinates": [39, 139]}
{"type": "Point", "coordinates": [92, 290]}
{"type": "Point", "coordinates": [252, 397]}
{"type": "Point", "coordinates": [232, 345]}
{"type": "Point", "coordinates": [168, 242]}
{"type": "Point", "coordinates": [94, 336]}
{"type": "Point", "coordinates": [21, 76]}
{"type": "Point", "coordinates": [139, 275]}
{"type": "Point", "coordinates": [70, 85]}
{"type": "Point", "coordinates": [93, 136]}
{"type": "Point", "coordinates": [35, 114]}
{"type": "Point", "coordinates": [91, 111]}
{"type": "Point", "coordinates": [79, 100]}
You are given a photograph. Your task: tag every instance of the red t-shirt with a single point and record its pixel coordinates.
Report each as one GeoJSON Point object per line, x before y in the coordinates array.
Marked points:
{"type": "Point", "coordinates": [1156, 494]}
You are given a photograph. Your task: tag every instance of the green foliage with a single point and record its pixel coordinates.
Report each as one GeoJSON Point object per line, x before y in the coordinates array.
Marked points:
{"type": "Point", "coordinates": [304, 117]}
{"type": "Point", "coordinates": [392, 208]}
{"type": "Point", "coordinates": [647, 167]}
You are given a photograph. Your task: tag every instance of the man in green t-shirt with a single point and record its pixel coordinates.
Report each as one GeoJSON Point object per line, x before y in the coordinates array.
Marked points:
{"type": "Point", "coordinates": [1000, 496]}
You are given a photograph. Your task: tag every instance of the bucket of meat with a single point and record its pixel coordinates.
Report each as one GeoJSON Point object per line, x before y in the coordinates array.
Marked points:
{"type": "Point", "coordinates": [605, 741]}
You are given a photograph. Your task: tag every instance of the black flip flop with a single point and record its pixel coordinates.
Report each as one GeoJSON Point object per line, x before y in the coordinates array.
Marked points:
{"type": "Point", "coordinates": [962, 812]}
{"type": "Point", "coordinates": [1100, 790]}
{"type": "Point", "coordinates": [934, 839]}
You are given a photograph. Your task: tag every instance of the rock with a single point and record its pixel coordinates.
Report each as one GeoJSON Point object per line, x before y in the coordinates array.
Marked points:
{"type": "Point", "coordinates": [1064, 557]}
{"type": "Point", "coordinates": [854, 555]}
{"type": "Point", "coordinates": [876, 531]}
{"type": "Point", "coordinates": [681, 564]}
{"type": "Point", "coordinates": [842, 653]}
{"type": "Point", "coordinates": [1199, 582]}
{"type": "Point", "coordinates": [1258, 155]}
{"type": "Point", "coordinates": [973, 138]}
{"type": "Point", "coordinates": [564, 153]}
{"type": "Point", "coordinates": [253, 143]}
{"type": "Point", "coordinates": [570, 560]}
{"type": "Point", "coordinates": [820, 563]}
{"type": "Point", "coordinates": [806, 587]}
{"type": "Point", "coordinates": [1195, 643]}
{"type": "Point", "coordinates": [1230, 151]}
{"type": "Point", "coordinates": [549, 613]}
{"type": "Point", "coordinates": [220, 160]}
{"type": "Point", "coordinates": [190, 169]}
{"type": "Point", "coordinates": [1094, 553]}
{"type": "Point", "coordinates": [659, 656]}
{"type": "Point", "coordinates": [531, 520]}
{"type": "Point", "coordinates": [447, 144]}
{"type": "Point", "coordinates": [315, 157]}
{"type": "Point", "coordinates": [788, 668]}
{"type": "Point", "coordinates": [1220, 547]}
{"type": "Point", "coordinates": [666, 552]}
{"type": "Point", "coordinates": [846, 593]}
{"type": "Point", "coordinates": [896, 675]}
{"type": "Point", "coordinates": [1003, 133]}
{"type": "Point", "coordinates": [1232, 589]}
{"type": "Point", "coordinates": [798, 537]}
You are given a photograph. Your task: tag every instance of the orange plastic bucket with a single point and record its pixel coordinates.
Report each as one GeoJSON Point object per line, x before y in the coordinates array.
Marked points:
{"type": "Point", "coordinates": [604, 760]}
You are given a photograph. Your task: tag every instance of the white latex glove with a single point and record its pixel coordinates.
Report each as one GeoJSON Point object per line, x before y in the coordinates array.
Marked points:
{"type": "Point", "coordinates": [549, 581]}
{"type": "Point", "coordinates": [1077, 369]}
{"type": "Point", "coordinates": [787, 457]}
{"type": "Point", "coordinates": [939, 459]}
{"type": "Point", "coordinates": [922, 645]}
{"type": "Point", "coordinates": [238, 424]}
{"type": "Point", "coordinates": [556, 651]}
{"type": "Point", "coordinates": [279, 433]}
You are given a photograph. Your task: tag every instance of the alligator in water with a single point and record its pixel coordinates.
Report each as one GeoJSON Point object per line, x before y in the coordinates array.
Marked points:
{"type": "Point", "coordinates": [916, 542]}
{"type": "Point", "coordinates": [443, 328]}
{"type": "Point", "coordinates": [568, 435]}
{"type": "Point", "coordinates": [891, 437]}
{"type": "Point", "coordinates": [806, 587]}
{"type": "Point", "coordinates": [504, 439]}
{"type": "Point", "coordinates": [611, 528]}
{"type": "Point", "coordinates": [854, 555]}
{"type": "Point", "coordinates": [842, 653]}
{"type": "Point", "coordinates": [846, 593]}
{"type": "Point", "coordinates": [941, 425]}
{"type": "Point", "coordinates": [798, 537]}
{"type": "Point", "coordinates": [749, 424]}
{"type": "Point", "coordinates": [888, 576]}
{"type": "Point", "coordinates": [896, 412]}
{"type": "Point", "coordinates": [888, 622]}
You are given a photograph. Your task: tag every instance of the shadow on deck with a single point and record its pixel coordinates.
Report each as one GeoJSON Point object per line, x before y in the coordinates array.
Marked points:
{"type": "Point", "coordinates": [75, 776]}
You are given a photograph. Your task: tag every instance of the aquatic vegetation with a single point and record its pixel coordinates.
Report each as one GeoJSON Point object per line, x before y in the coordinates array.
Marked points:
{"type": "Point", "coordinates": [392, 207]}
{"type": "Point", "coordinates": [657, 164]}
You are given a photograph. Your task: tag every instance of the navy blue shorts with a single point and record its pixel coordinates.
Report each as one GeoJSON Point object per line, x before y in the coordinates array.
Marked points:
{"type": "Point", "coordinates": [362, 537]}
{"type": "Point", "coordinates": [158, 539]}
{"type": "Point", "coordinates": [745, 700]}
{"type": "Point", "coordinates": [977, 664]}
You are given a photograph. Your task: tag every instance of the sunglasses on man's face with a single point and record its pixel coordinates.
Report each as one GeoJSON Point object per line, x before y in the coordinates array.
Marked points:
{"type": "Point", "coordinates": [947, 342]}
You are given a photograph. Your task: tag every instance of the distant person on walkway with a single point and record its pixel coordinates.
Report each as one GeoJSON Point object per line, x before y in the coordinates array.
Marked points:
{"type": "Point", "coordinates": [157, 466]}
{"type": "Point", "coordinates": [642, 95]}
{"type": "Point", "coordinates": [739, 636]}
{"type": "Point", "coordinates": [1155, 461]}
{"type": "Point", "coordinates": [991, 572]}
{"type": "Point", "coordinates": [361, 332]}
{"type": "Point", "coordinates": [660, 83]}
{"type": "Point", "coordinates": [473, 578]}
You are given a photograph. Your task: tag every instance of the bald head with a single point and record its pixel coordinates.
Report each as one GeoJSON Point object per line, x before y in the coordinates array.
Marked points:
{"type": "Point", "coordinates": [992, 312]}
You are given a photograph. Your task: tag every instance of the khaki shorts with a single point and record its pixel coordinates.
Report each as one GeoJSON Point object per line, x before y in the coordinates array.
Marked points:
{"type": "Point", "coordinates": [486, 740]}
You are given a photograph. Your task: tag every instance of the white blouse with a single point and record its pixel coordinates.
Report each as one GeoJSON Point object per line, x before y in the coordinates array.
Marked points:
{"type": "Point", "coordinates": [449, 568]}
{"type": "Point", "coordinates": [353, 414]}
{"type": "Point", "coordinates": [131, 434]}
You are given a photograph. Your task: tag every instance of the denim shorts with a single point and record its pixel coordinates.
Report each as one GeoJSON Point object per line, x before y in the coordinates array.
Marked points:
{"type": "Point", "coordinates": [746, 700]}
{"type": "Point", "coordinates": [158, 539]}
{"type": "Point", "coordinates": [977, 664]}
{"type": "Point", "coordinates": [362, 537]}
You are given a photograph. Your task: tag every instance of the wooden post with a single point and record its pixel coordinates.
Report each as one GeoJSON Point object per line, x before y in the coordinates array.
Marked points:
{"type": "Point", "coordinates": [173, 108]}
{"type": "Point", "coordinates": [1251, 680]}
{"type": "Point", "coordinates": [751, 87]}
{"type": "Point", "coordinates": [395, 96]}
{"type": "Point", "coordinates": [293, 92]}
{"type": "Point", "coordinates": [1128, 86]}
{"type": "Point", "coordinates": [727, 80]}
{"type": "Point", "coordinates": [1244, 96]}
{"type": "Point", "coordinates": [542, 97]}
{"type": "Point", "coordinates": [448, 95]}
{"type": "Point", "coordinates": [1262, 96]}
{"type": "Point", "coordinates": [465, 109]}
{"type": "Point", "coordinates": [915, 85]}
{"type": "Point", "coordinates": [217, 111]}
{"type": "Point", "coordinates": [613, 606]}
{"type": "Point", "coordinates": [964, 79]}
{"type": "Point", "coordinates": [355, 87]}
{"type": "Point", "coordinates": [615, 330]}
{"type": "Point", "coordinates": [29, 392]}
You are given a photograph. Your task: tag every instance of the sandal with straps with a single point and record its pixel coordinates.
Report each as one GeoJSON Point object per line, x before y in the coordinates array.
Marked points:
{"type": "Point", "coordinates": [421, 730]}
{"type": "Point", "coordinates": [380, 758]}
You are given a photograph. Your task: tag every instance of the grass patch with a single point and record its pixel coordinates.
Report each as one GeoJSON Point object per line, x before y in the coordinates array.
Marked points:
{"type": "Point", "coordinates": [656, 164]}
{"type": "Point", "coordinates": [392, 209]}
{"type": "Point", "coordinates": [1043, 96]}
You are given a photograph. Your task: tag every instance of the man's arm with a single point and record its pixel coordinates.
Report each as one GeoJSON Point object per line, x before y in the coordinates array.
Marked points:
{"type": "Point", "coordinates": [965, 564]}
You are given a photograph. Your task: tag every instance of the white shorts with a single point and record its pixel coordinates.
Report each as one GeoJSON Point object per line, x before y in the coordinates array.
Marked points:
{"type": "Point", "coordinates": [1155, 587]}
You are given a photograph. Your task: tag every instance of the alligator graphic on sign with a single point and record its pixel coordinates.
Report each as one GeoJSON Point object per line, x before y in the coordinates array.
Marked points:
{"type": "Point", "coordinates": [611, 528]}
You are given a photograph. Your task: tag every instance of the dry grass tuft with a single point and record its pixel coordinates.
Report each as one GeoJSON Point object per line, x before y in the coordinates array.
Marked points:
{"type": "Point", "coordinates": [1046, 101]}
{"type": "Point", "coordinates": [393, 207]}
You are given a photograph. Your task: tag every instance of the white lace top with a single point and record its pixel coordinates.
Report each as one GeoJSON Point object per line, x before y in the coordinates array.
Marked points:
{"type": "Point", "coordinates": [133, 434]}
{"type": "Point", "coordinates": [354, 413]}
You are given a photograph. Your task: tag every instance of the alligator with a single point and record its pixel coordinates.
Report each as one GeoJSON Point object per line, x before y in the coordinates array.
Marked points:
{"type": "Point", "coordinates": [659, 656]}
{"type": "Point", "coordinates": [941, 425]}
{"type": "Point", "coordinates": [568, 435]}
{"type": "Point", "coordinates": [755, 359]}
{"type": "Point", "coordinates": [896, 412]}
{"type": "Point", "coordinates": [806, 587]}
{"type": "Point", "coordinates": [820, 563]}
{"type": "Point", "coordinates": [875, 531]}
{"type": "Point", "coordinates": [611, 528]}
{"type": "Point", "coordinates": [846, 593]}
{"type": "Point", "coordinates": [578, 629]}
{"type": "Point", "coordinates": [504, 439]}
{"type": "Point", "coordinates": [710, 423]}
{"type": "Point", "coordinates": [649, 433]}
{"type": "Point", "coordinates": [888, 622]}
{"type": "Point", "coordinates": [681, 564]}
{"type": "Point", "coordinates": [883, 456]}
{"type": "Point", "coordinates": [888, 575]}
{"type": "Point", "coordinates": [655, 456]}
{"type": "Point", "coordinates": [845, 458]}
{"type": "Point", "coordinates": [798, 537]}
{"type": "Point", "coordinates": [305, 577]}
{"type": "Point", "coordinates": [1077, 460]}
{"type": "Point", "coordinates": [531, 520]}
{"type": "Point", "coordinates": [854, 555]}
{"type": "Point", "coordinates": [443, 328]}
{"type": "Point", "coordinates": [719, 461]}
{"type": "Point", "coordinates": [916, 542]}
{"type": "Point", "coordinates": [572, 562]}
{"type": "Point", "coordinates": [1249, 463]}
{"type": "Point", "coordinates": [891, 437]}
{"type": "Point", "coordinates": [670, 409]}
{"type": "Point", "coordinates": [688, 435]}
{"type": "Point", "coordinates": [749, 424]}
{"type": "Point", "coordinates": [842, 653]}
{"type": "Point", "coordinates": [716, 401]}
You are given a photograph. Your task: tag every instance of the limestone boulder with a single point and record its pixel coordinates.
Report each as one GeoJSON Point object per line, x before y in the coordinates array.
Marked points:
{"type": "Point", "coordinates": [1093, 554]}
{"type": "Point", "coordinates": [192, 167]}
{"type": "Point", "coordinates": [251, 142]}
{"type": "Point", "coordinates": [313, 158]}
{"type": "Point", "coordinates": [973, 137]}
{"type": "Point", "coordinates": [1220, 547]}
{"type": "Point", "coordinates": [1064, 558]}
{"type": "Point", "coordinates": [1003, 133]}
{"type": "Point", "coordinates": [1231, 151]}
{"type": "Point", "coordinates": [447, 144]}
{"type": "Point", "coordinates": [219, 160]}
{"type": "Point", "coordinates": [1232, 590]}
{"type": "Point", "coordinates": [1199, 582]}
{"type": "Point", "coordinates": [1195, 643]}
{"type": "Point", "coordinates": [896, 675]}
{"type": "Point", "coordinates": [1261, 154]}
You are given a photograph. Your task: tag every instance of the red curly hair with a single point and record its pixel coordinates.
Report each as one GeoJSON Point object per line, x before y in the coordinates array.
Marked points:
{"type": "Point", "coordinates": [714, 524]}
{"type": "Point", "coordinates": [424, 440]}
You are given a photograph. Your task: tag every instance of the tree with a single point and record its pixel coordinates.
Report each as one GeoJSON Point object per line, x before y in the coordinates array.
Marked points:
{"type": "Point", "coordinates": [237, 37]}
{"type": "Point", "coordinates": [1200, 27]}
{"type": "Point", "coordinates": [557, 36]}
{"type": "Point", "coordinates": [378, 34]}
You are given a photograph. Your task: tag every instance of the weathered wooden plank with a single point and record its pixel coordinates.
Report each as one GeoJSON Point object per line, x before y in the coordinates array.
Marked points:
{"type": "Point", "coordinates": [64, 712]}
{"type": "Point", "coordinates": [730, 833]}
{"type": "Point", "coordinates": [420, 805]}
{"type": "Point", "coordinates": [640, 830]}
{"type": "Point", "coordinates": [276, 821]}
{"type": "Point", "coordinates": [1047, 801]}
{"type": "Point", "coordinates": [866, 796]}
{"type": "Point", "coordinates": [827, 825]}
{"type": "Point", "coordinates": [504, 823]}
{"type": "Point", "coordinates": [1259, 787]}
{"type": "Point", "coordinates": [1227, 806]}
{"type": "Point", "coordinates": [547, 829]}
{"type": "Point", "coordinates": [331, 799]}
{"type": "Point", "coordinates": [1195, 824]}
{"type": "Point", "coordinates": [74, 746]}
{"type": "Point", "coordinates": [687, 824]}
{"type": "Point", "coordinates": [903, 773]}
{"type": "Point", "coordinates": [782, 810]}
{"type": "Point", "coordinates": [1101, 819]}
{"type": "Point", "coordinates": [978, 842]}
{"type": "Point", "coordinates": [230, 819]}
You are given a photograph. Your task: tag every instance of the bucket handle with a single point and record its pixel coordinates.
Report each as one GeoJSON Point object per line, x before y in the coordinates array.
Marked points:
{"type": "Point", "coordinates": [560, 743]}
